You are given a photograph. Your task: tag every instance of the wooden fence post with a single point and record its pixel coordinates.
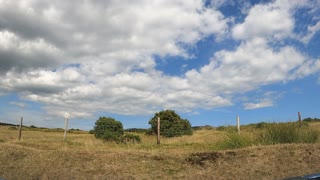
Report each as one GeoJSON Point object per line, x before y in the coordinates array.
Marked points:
{"type": "Point", "coordinates": [158, 130]}
{"type": "Point", "coordinates": [299, 116]}
{"type": "Point", "coordinates": [20, 129]}
{"type": "Point", "coordinates": [65, 129]}
{"type": "Point", "coordinates": [238, 124]}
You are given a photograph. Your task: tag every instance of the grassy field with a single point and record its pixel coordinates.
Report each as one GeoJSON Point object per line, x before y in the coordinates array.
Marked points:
{"type": "Point", "coordinates": [204, 155]}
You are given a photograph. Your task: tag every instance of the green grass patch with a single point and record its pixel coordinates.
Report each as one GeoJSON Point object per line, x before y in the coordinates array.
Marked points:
{"type": "Point", "coordinates": [230, 129]}
{"type": "Point", "coordinates": [281, 133]}
{"type": "Point", "coordinates": [234, 141]}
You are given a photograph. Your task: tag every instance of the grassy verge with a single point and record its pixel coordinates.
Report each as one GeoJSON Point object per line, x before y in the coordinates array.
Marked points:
{"type": "Point", "coordinates": [281, 133]}
{"type": "Point", "coordinates": [235, 141]}
{"type": "Point", "coordinates": [207, 154]}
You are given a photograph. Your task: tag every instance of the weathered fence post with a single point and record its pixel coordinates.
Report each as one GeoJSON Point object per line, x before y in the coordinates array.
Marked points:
{"type": "Point", "coordinates": [158, 130]}
{"type": "Point", "coordinates": [20, 128]}
{"type": "Point", "coordinates": [65, 129]}
{"type": "Point", "coordinates": [238, 124]}
{"type": "Point", "coordinates": [299, 116]}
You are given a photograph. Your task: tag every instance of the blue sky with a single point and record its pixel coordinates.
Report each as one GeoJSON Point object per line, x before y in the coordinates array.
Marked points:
{"type": "Point", "coordinates": [207, 60]}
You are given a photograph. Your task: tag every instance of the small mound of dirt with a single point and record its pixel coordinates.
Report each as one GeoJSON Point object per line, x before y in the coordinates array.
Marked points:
{"type": "Point", "coordinates": [202, 157]}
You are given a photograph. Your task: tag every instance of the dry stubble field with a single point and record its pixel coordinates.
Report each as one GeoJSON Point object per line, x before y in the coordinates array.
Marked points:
{"type": "Point", "coordinates": [44, 155]}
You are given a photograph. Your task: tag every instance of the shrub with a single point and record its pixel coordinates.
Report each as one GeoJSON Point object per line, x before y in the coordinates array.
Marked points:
{"type": "Point", "coordinates": [149, 132]}
{"type": "Point", "coordinates": [261, 125]}
{"type": "Point", "coordinates": [171, 124]}
{"type": "Point", "coordinates": [108, 129]}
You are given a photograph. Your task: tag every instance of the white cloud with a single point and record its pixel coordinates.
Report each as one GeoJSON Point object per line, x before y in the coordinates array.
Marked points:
{"type": "Point", "coordinates": [112, 46]}
{"type": "Point", "coordinates": [251, 65]}
{"type": "Point", "coordinates": [272, 21]}
{"type": "Point", "coordinates": [92, 56]}
{"type": "Point", "coordinates": [312, 30]}
{"type": "Point", "coordinates": [20, 104]}
{"type": "Point", "coordinates": [262, 104]}
{"type": "Point", "coordinates": [107, 33]}
{"type": "Point", "coordinates": [264, 21]}
{"type": "Point", "coordinates": [267, 99]}
{"type": "Point", "coordinates": [305, 69]}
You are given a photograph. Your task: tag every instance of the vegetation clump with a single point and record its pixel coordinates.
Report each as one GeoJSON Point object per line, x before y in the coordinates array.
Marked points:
{"type": "Point", "coordinates": [131, 138]}
{"type": "Point", "coordinates": [172, 124]}
{"type": "Point", "coordinates": [281, 133]}
{"type": "Point", "coordinates": [234, 141]}
{"type": "Point", "coordinates": [201, 157]}
{"type": "Point", "coordinates": [108, 129]}
{"type": "Point", "coordinates": [311, 119]}
{"type": "Point", "coordinates": [231, 129]}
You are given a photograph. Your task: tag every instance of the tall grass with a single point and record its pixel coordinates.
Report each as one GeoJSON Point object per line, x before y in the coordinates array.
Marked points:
{"type": "Point", "coordinates": [234, 141]}
{"type": "Point", "coordinates": [280, 133]}
{"type": "Point", "coordinates": [268, 134]}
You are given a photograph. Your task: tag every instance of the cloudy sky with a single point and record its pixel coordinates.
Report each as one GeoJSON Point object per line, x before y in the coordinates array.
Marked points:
{"type": "Point", "coordinates": [207, 60]}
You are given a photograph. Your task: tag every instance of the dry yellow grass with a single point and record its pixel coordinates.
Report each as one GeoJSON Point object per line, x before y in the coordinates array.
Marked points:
{"type": "Point", "coordinates": [44, 155]}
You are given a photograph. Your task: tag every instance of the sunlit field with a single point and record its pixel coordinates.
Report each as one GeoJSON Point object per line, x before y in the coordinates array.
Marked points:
{"type": "Point", "coordinates": [207, 154]}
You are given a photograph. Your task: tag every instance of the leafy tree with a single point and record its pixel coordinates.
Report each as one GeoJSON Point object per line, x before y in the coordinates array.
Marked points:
{"type": "Point", "coordinates": [171, 124]}
{"type": "Point", "coordinates": [108, 129]}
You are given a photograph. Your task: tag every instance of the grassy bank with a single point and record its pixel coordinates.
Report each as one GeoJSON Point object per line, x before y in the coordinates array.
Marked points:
{"type": "Point", "coordinates": [207, 154]}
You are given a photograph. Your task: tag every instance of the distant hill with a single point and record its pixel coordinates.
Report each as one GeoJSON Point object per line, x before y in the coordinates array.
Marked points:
{"type": "Point", "coordinates": [8, 124]}
{"type": "Point", "coordinates": [207, 127]}
{"type": "Point", "coordinates": [136, 130]}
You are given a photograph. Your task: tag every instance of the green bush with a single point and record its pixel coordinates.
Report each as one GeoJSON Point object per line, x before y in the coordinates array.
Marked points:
{"type": "Point", "coordinates": [108, 129]}
{"type": "Point", "coordinates": [149, 132]}
{"type": "Point", "coordinates": [171, 124]}
{"type": "Point", "coordinates": [280, 133]}
{"type": "Point", "coordinates": [261, 125]}
{"type": "Point", "coordinates": [111, 136]}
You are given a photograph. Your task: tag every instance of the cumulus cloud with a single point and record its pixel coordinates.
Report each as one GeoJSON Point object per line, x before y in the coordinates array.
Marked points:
{"type": "Point", "coordinates": [252, 64]}
{"type": "Point", "coordinates": [272, 20]}
{"type": "Point", "coordinates": [19, 54]}
{"type": "Point", "coordinates": [111, 46]}
{"type": "Point", "coordinates": [84, 57]}
{"type": "Point", "coordinates": [112, 30]}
